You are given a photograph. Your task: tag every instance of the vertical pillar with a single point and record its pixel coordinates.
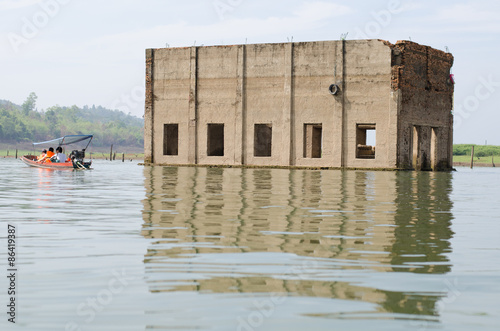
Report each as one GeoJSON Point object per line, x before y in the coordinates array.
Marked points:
{"type": "Point", "coordinates": [450, 141]}
{"type": "Point", "coordinates": [435, 149]}
{"type": "Point", "coordinates": [149, 109]}
{"type": "Point", "coordinates": [344, 119]}
{"type": "Point", "coordinates": [416, 162]}
{"type": "Point", "coordinates": [336, 131]}
{"type": "Point", "coordinates": [287, 142]}
{"type": "Point", "coordinates": [193, 108]}
{"type": "Point", "coordinates": [240, 118]}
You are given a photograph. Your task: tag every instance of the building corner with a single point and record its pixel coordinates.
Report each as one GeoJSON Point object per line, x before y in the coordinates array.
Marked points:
{"type": "Point", "coordinates": [149, 109]}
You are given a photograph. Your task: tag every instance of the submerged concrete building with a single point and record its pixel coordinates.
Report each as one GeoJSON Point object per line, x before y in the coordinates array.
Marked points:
{"type": "Point", "coordinates": [328, 104]}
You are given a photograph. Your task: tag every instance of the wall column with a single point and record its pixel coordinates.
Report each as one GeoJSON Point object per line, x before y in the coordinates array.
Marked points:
{"type": "Point", "coordinates": [149, 109]}
{"type": "Point", "coordinates": [193, 108]}
{"type": "Point", "coordinates": [240, 118]}
{"type": "Point", "coordinates": [344, 144]}
{"type": "Point", "coordinates": [415, 150]}
{"type": "Point", "coordinates": [450, 142]}
{"type": "Point", "coordinates": [287, 143]}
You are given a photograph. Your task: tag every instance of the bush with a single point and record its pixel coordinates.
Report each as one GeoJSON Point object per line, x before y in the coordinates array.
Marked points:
{"type": "Point", "coordinates": [461, 149]}
{"type": "Point", "coordinates": [479, 150]}
{"type": "Point", "coordinates": [480, 154]}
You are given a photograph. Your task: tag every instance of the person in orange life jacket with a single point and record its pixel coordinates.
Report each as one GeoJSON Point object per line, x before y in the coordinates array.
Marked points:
{"type": "Point", "coordinates": [47, 156]}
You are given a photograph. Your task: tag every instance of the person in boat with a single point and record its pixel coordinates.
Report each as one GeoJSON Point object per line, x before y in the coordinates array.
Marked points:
{"type": "Point", "coordinates": [42, 156]}
{"type": "Point", "coordinates": [50, 153]}
{"type": "Point", "coordinates": [59, 156]}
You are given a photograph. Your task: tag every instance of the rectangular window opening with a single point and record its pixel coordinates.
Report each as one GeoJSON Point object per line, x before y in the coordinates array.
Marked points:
{"type": "Point", "coordinates": [365, 141]}
{"type": "Point", "coordinates": [215, 140]}
{"type": "Point", "coordinates": [313, 136]}
{"type": "Point", "coordinates": [171, 139]}
{"type": "Point", "coordinates": [263, 134]}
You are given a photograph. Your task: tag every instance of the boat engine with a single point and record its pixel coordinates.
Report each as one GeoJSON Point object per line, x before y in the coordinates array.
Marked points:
{"type": "Point", "coordinates": [77, 155]}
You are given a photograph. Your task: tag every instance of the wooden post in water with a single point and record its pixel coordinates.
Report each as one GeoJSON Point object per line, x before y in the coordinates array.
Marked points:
{"type": "Point", "coordinates": [472, 158]}
{"type": "Point", "coordinates": [7, 152]}
{"type": "Point", "coordinates": [111, 153]}
{"type": "Point", "coordinates": [492, 162]}
{"type": "Point", "coordinates": [123, 157]}
{"type": "Point", "coordinates": [16, 153]}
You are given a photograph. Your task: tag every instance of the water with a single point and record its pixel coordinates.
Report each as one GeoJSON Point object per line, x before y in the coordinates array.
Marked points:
{"type": "Point", "coordinates": [126, 247]}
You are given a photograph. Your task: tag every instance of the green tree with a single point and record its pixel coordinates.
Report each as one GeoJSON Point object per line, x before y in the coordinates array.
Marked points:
{"type": "Point", "coordinates": [30, 103]}
{"type": "Point", "coordinates": [21, 123]}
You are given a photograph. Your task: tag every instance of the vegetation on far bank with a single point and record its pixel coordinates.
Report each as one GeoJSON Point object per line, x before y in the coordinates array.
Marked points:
{"type": "Point", "coordinates": [477, 159]}
{"type": "Point", "coordinates": [479, 150]}
{"type": "Point", "coordinates": [487, 154]}
{"type": "Point", "coordinates": [21, 125]}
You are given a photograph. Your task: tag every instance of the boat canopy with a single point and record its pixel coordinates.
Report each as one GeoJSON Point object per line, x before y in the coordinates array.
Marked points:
{"type": "Point", "coordinates": [67, 140]}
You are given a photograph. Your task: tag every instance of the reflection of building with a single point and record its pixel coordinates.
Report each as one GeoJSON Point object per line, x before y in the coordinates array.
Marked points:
{"type": "Point", "coordinates": [346, 221]}
{"type": "Point", "coordinates": [423, 218]}
{"type": "Point", "coordinates": [354, 104]}
{"type": "Point", "coordinates": [253, 210]}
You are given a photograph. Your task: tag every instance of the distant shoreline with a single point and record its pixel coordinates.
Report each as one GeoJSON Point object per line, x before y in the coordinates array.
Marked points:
{"type": "Point", "coordinates": [476, 164]}
{"type": "Point", "coordinates": [119, 156]}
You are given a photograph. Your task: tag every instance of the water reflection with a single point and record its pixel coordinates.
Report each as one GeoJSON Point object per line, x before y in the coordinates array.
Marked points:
{"type": "Point", "coordinates": [352, 235]}
{"type": "Point", "coordinates": [423, 218]}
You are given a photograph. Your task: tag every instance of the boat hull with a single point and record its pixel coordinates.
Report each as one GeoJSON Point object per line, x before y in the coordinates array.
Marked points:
{"type": "Point", "coordinates": [31, 161]}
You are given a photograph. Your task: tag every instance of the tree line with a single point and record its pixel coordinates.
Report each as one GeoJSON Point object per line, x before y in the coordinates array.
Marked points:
{"type": "Point", "coordinates": [26, 124]}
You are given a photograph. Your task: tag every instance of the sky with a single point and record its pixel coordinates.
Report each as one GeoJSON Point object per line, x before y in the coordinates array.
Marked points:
{"type": "Point", "coordinates": [92, 52]}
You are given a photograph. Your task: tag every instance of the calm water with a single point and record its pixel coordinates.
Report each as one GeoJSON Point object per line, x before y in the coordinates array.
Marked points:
{"type": "Point", "coordinates": [126, 247]}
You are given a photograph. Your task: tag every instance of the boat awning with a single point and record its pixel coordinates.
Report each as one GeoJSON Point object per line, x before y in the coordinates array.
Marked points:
{"type": "Point", "coordinates": [66, 140]}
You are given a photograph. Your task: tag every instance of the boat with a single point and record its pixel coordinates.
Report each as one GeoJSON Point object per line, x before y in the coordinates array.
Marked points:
{"type": "Point", "coordinates": [75, 159]}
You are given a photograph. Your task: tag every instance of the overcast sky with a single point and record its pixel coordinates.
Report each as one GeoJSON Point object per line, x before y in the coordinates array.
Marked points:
{"type": "Point", "coordinates": [78, 52]}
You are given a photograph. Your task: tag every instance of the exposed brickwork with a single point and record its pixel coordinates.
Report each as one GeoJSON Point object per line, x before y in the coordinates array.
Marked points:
{"type": "Point", "coordinates": [421, 75]}
{"type": "Point", "coordinates": [420, 67]}
{"type": "Point", "coordinates": [149, 81]}
{"type": "Point", "coordinates": [148, 109]}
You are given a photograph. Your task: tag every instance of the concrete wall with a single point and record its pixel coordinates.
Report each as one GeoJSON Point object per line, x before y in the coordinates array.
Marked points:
{"type": "Point", "coordinates": [217, 102]}
{"type": "Point", "coordinates": [368, 100]}
{"type": "Point", "coordinates": [284, 88]}
{"type": "Point", "coordinates": [317, 66]}
{"type": "Point", "coordinates": [421, 75]}
{"type": "Point", "coordinates": [267, 96]}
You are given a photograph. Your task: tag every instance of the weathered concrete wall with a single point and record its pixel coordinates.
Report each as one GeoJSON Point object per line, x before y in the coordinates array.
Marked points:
{"type": "Point", "coordinates": [282, 90]}
{"type": "Point", "coordinates": [218, 103]}
{"type": "Point", "coordinates": [315, 67]}
{"type": "Point", "coordinates": [368, 100]}
{"type": "Point", "coordinates": [267, 100]}
{"type": "Point", "coordinates": [421, 75]}
{"type": "Point", "coordinates": [170, 102]}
